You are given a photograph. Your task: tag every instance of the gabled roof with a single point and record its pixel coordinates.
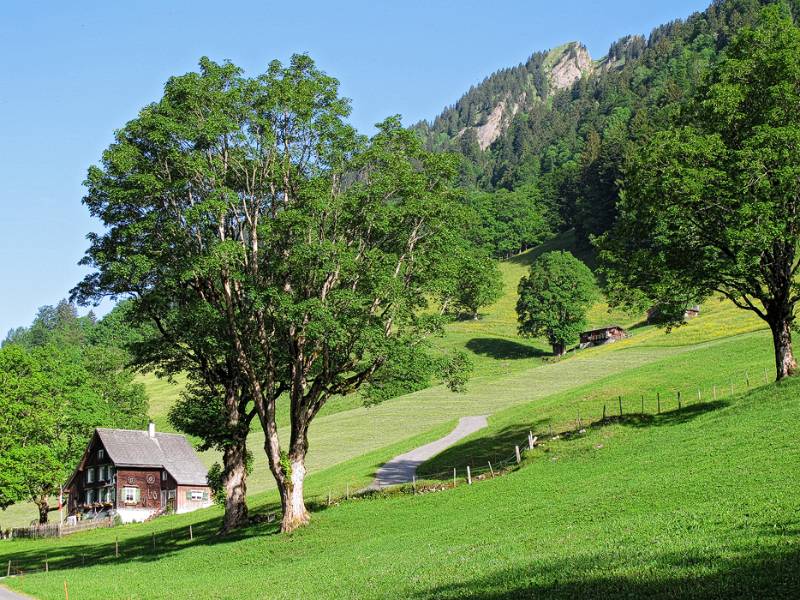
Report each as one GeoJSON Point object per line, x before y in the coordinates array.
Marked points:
{"type": "Point", "coordinates": [170, 451]}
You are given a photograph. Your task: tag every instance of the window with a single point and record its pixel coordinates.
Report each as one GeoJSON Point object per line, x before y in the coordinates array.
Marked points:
{"type": "Point", "coordinates": [89, 496]}
{"type": "Point", "coordinates": [101, 473]}
{"type": "Point", "coordinates": [130, 495]}
{"type": "Point", "coordinates": [197, 495]}
{"type": "Point", "coordinates": [101, 454]}
{"type": "Point", "coordinates": [90, 475]}
{"type": "Point", "coordinates": [108, 494]}
{"type": "Point", "coordinates": [163, 475]}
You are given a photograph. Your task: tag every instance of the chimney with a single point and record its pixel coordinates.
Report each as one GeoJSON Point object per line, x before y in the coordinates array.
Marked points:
{"type": "Point", "coordinates": [151, 429]}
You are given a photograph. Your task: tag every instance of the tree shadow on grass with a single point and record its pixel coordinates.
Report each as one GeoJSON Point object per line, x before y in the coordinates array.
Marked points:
{"type": "Point", "coordinates": [498, 447]}
{"type": "Point", "coordinates": [749, 573]}
{"type": "Point", "coordinates": [152, 542]}
{"type": "Point", "coordinates": [672, 417]}
{"type": "Point", "coordinates": [479, 451]}
{"type": "Point", "coordinates": [502, 349]}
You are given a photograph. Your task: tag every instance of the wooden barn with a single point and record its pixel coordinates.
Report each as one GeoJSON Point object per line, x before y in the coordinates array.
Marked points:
{"type": "Point", "coordinates": [606, 335]}
{"type": "Point", "coordinates": [136, 475]}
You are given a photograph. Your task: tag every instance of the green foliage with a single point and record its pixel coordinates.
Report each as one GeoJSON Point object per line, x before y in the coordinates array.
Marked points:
{"type": "Point", "coordinates": [710, 204]}
{"type": "Point", "coordinates": [554, 299]}
{"type": "Point", "coordinates": [51, 399]}
{"type": "Point", "coordinates": [511, 222]}
{"type": "Point", "coordinates": [298, 283]}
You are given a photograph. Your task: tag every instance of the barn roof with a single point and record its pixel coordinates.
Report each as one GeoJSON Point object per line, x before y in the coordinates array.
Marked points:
{"type": "Point", "coordinates": [170, 451]}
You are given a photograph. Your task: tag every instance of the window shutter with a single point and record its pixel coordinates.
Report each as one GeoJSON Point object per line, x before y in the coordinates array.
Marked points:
{"type": "Point", "coordinates": [136, 494]}
{"type": "Point", "coordinates": [188, 494]}
{"type": "Point", "coordinates": [205, 496]}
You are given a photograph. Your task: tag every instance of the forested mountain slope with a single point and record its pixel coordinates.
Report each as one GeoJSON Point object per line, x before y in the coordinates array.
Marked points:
{"type": "Point", "coordinates": [558, 126]}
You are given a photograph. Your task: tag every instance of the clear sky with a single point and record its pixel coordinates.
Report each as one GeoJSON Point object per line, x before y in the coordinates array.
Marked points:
{"type": "Point", "coordinates": [73, 72]}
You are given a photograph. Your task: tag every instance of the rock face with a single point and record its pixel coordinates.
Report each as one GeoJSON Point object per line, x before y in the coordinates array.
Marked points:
{"type": "Point", "coordinates": [495, 124]}
{"type": "Point", "coordinates": [488, 109]}
{"type": "Point", "coordinates": [573, 63]}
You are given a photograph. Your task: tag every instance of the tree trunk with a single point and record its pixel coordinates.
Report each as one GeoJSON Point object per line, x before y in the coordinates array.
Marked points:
{"type": "Point", "coordinates": [785, 363]}
{"type": "Point", "coordinates": [44, 510]}
{"type": "Point", "coordinates": [235, 485]}
{"type": "Point", "coordinates": [559, 349]}
{"type": "Point", "coordinates": [291, 488]}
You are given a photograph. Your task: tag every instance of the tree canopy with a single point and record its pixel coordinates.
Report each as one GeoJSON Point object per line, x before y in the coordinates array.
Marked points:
{"type": "Point", "coordinates": [554, 299]}
{"type": "Point", "coordinates": [281, 256]}
{"type": "Point", "coordinates": [711, 204]}
{"type": "Point", "coordinates": [55, 388]}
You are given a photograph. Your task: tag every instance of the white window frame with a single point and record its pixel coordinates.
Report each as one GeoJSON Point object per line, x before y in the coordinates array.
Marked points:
{"type": "Point", "coordinates": [90, 475]}
{"type": "Point", "coordinates": [89, 497]}
{"type": "Point", "coordinates": [163, 475]}
{"type": "Point", "coordinates": [196, 496]}
{"type": "Point", "coordinates": [101, 454]}
{"type": "Point", "coordinates": [130, 494]}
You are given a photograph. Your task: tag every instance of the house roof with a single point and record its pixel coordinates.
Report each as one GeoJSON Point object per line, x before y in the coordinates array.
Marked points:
{"type": "Point", "coordinates": [170, 451]}
{"type": "Point", "coordinates": [609, 328]}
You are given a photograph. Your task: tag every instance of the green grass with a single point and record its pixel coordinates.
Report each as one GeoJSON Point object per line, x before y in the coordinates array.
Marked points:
{"type": "Point", "coordinates": [700, 502]}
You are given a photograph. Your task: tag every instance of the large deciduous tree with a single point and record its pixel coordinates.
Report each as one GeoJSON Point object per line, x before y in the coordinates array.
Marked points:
{"type": "Point", "coordinates": [283, 257]}
{"type": "Point", "coordinates": [554, 298]}
{"type": "Point", "coordinates": [713, 203]}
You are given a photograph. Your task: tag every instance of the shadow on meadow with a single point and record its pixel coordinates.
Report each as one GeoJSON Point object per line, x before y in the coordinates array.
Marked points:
{"type": "Point", "coordinates": [499, 445]}
{"type": "Point", "coordinates": [502, 349]}
{"type": "Point", "coordinates": [151, 544]}
{"type": "Point", "coordinates": [749, 572]}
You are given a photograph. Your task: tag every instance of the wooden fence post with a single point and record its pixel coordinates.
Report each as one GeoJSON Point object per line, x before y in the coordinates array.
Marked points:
{"type": "Point", "coordinates": [715, 393]}
{"type": "Point", "coordinates": [747, 378]}
{"type": "Point", "coordinates": [699, 397]}
{"type": "Point", "coordinates": [66, 590]}
{"type": "Point", "coordinates": [516, 450]}
{"type": "Point", "coordinates": [116, 547]}
{"type": "Point", "coordinates": [46, 564]}
{"type": "Point", "coordinates": [679, 399]}
{"type": "Point", "coordinates": [491, 469]}
{"type": "Point", "coordinates": [329, 497]}
{"type": "Point", "coordinates": [469, 476]}
{"type": "Point", "coordinates": [658, 399]}
{"type": "Point", "coordinates": [347, 491]}
{"type": "Point", "coordinates": [530, 438]}
{"type": "Point", "coordinates": [620, 405]}
{"type": "Point", "coordinates": [191, 535]}
{"type": "Point", "coordinates": [8, 571]}
{"type": "Point", "coordinates": [604, 412]}
{"type": "Point", "coordinates": [414, 483]}
{"type": "Point", "coordinates": [154, 541]}
{"type": "Point", "coordinates": [454, 477]}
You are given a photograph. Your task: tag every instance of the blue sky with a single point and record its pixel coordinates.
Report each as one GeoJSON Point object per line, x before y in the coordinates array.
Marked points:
{"type": "Point", "coordinates": [73, 72]}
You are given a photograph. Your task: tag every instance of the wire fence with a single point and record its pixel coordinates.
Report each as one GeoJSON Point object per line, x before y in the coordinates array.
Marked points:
{"type": "Point", "coordinates": [597, 412]}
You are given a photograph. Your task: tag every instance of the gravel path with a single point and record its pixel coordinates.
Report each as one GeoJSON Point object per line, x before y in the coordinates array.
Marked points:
{"type": "Point", "coordinates": [401, 469]}
{"type": "Point", "coordinates": [6, 594]}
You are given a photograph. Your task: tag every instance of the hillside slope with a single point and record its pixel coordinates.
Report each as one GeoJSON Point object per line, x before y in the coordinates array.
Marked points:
{"type": "Point", "coordinates": [698, 502]}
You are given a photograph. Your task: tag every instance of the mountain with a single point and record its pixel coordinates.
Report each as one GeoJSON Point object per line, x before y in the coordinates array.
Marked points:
{"type": "Point", "coordinates": [487, 109]}
{"type": "Point", "coordinates": [559, 124]}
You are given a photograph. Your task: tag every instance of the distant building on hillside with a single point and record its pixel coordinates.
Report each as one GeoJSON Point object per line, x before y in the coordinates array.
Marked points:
{"type": "Point", "coordinates": [690, 313]}
{"type": "Point", "coordinates": [136, 475]}
{"type": "Point", "coordinates": [606, 335]}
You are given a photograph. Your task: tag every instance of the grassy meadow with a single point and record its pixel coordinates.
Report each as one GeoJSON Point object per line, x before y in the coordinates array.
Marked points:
{"type": "Point", "coordinates": [696, 502]}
